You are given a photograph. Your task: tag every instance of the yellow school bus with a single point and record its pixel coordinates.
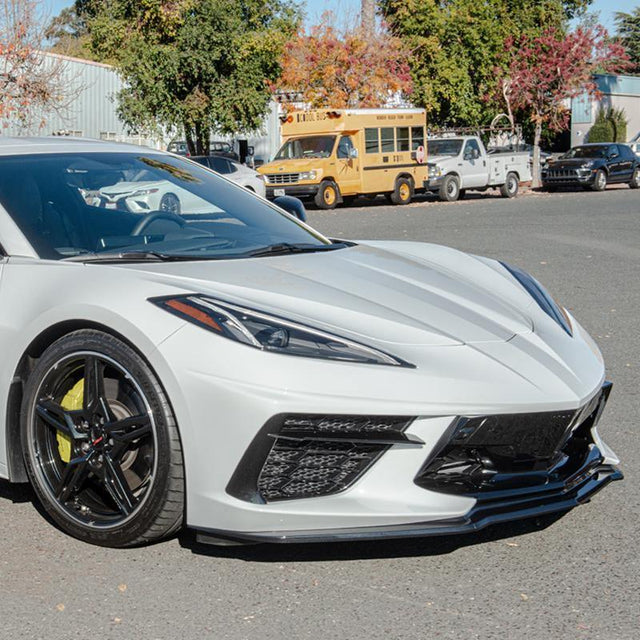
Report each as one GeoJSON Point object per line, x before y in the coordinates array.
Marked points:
{"type": "Point", "coordinates": [335, 155]}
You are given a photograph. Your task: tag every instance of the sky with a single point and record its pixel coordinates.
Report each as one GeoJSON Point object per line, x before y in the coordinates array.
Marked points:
{"type": "Point", "coordinates": [315, 8]}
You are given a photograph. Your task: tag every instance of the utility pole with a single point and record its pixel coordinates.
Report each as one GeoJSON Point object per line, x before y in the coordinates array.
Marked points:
{"type": "Point", "coordinates": [368, 16]}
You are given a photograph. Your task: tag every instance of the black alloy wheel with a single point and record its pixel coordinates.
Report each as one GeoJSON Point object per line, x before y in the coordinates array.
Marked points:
{"type": "Point", "coordinates": [599, 181]}
{"type": "Point", "coordinates": [100, 442]}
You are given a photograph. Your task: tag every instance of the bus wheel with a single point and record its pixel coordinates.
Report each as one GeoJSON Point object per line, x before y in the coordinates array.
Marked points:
{"type": "Point", "coordinates": [450, 189]}
{"type": "Point", "coordinates": [403, 192]}
{"type": "Point", "coordinates": [327, 196]}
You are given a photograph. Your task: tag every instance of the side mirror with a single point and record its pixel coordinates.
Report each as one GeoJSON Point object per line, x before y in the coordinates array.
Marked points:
{"type": "Point", "coordinates": [292, 205]}
{"type": "Point", "coordinates": [353, 152]}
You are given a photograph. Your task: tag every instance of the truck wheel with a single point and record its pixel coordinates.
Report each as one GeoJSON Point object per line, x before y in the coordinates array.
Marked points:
{"type": "Point", "coordinates": [600, 181]}
{"type": "Point", "coordinates": [510, 188]}
{"type": "Point", "coordinates": [328, 195]}
{"type": "Point", "coordinates": [403, 192]}
{"type": "Point", "coordinates": [635, 179]}
{"type": "Point", "coordinates": [450, 189]}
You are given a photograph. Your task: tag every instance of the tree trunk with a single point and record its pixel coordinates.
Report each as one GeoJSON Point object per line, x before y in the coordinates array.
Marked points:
{"type": "Point", "coordinates": [189, 138]}
{"type": "Point", "coordinates": [202, 139]}
{"type": "Point", "coordinates": [535, 178]}
{"type": "Point", "coordinates": [368, 16]}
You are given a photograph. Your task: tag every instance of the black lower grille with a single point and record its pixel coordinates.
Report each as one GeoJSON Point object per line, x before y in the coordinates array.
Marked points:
{"type": "Point", "coordinates": [507, 452]}
{"type": "Point", "coordinates": [308, 468]}
{"type": "Point", "coordinates": [309, 455]}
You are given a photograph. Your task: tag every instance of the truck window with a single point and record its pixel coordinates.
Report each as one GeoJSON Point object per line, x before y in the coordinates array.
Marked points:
{"type": "Point", "coordinates": [371, 141]}
{"type": "Point", "coordinates": [444, 147]}
{"type": "Point", "coordinates": [417, 137]}
{"type": "Point", "coordinates": [402, 138]}
{"type": "Point", "coordinates": [387, 140]}
{"type": "Point", "coordinates": [471, 149]}
{"type": "Point", "coordinates": [344, 147]}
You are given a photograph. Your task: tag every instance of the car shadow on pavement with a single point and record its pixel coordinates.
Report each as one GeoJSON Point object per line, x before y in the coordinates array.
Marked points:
{"type": "Point", "coordinates": [369, 550]}
{"type": "Point", "coordinates": [17, 493]}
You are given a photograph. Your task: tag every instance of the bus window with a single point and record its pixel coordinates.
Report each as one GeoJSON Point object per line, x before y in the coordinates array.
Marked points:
{"type": "Point", "coordinates": [417, 137]}
{"type": "Point", "coordinates": [387, 142]}
{"type": "Point", "coordinates": [344, 147]}
{"type": "Point", "coordinates": [402, 135]}
{"type": "Point", "coordinates": [371, 142]}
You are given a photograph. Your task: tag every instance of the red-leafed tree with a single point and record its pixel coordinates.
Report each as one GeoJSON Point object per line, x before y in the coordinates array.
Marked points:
{"type": "Point", "coordinates": [30, 84]}
{"type": "Point", "coordinates": [544, 72]}
{"type": "Point", "coordinates": [328, 67]}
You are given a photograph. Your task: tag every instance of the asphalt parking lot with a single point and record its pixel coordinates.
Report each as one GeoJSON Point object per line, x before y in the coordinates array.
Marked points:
{"type": "Point", "coordinates": [570, 577]}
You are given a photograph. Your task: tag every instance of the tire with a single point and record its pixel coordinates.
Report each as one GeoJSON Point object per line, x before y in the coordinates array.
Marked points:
{"type": "Point", "coordinates": [114, 478]}
{"type": "Point", "coordinates": [449, 189]}
{"type": "Point", "coordinates": [635, 179]}
{"type": "Point", "coordinates": [171, 203]}
{"type": "Point", "coordinates": [403, 192]}
{"type": "Point", "coordinates": [599, 181]}
{"type": "Point", "coordinates": [510, 188]}
{"type": "Point", "coordinates": [328, 195]}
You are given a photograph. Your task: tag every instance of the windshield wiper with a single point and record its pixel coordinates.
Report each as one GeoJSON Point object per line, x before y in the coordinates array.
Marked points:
{"type": "Point", "coordinates": [288, 247]}
{"type": "Point", "coordinates": [121, 256]}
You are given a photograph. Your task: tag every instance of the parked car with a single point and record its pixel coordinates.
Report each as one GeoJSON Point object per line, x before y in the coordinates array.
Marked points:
{"type": "Point", "coordinates": [216, 147]}
{"type": "Point", "coordinates": [593, 166]}
{"type": "Point", "coordinates": [462, 163]}
{"type": "Point", "coordinates": [242, 374]}
{"type": "Point", "coordinates": [238, 173]}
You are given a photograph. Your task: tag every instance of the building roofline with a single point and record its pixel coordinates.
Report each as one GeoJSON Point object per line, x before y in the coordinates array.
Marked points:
{"type": "Point", "coordinates": [92, 63]}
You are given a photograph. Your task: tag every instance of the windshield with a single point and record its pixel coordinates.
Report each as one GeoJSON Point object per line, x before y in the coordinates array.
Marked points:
{"type": "Point", "coordinates": [74, 204]}
{"type": "Point", "coordinates": [307, 147]}
{"type": "Point", "coordinates": [587, 152]}
{"type": "Point", "coordinates": [449, 147]}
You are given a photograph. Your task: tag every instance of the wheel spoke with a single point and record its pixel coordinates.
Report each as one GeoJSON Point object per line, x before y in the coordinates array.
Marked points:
{"type": "Point", "coordinates": [141, 421]}
{"type": "Point", "coordinates": [75, 473]}
{"type": "Point", "coordinates": [54, 415]}
{"type": "Point", "coordinates": [94, 394]}
{"type": "Point", "coordinates": [117, 486]}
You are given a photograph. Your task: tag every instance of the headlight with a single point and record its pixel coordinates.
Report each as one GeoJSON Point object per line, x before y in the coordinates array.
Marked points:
{"type": "Point", "coordinates": [586, 165]}
{"type": "Point", "coordinates": [541, 296]}
{"type": "Point", "coordinates": [270, 333]}
{"type": "Point", "coordinates": [143, 192]}
{"type": "Point", "coordinates": [434, 171]}
{"type": "Point", "coordinates": [308, 175]}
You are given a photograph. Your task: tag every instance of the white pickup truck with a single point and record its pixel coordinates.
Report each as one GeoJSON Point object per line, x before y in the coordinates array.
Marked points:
{"type": "Point", "coordinates": [461, 163]}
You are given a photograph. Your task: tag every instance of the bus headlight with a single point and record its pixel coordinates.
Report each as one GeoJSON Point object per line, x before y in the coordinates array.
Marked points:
{"type": "Point", "coordinates": [308, 175]}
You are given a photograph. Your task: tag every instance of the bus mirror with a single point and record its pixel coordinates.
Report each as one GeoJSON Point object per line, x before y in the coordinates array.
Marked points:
{"type": "Point", "coordinates": [353, 152]}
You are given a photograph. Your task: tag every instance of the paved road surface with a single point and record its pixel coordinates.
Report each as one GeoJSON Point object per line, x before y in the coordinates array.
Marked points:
{"type": "Point", "coordinates": [576, 577]}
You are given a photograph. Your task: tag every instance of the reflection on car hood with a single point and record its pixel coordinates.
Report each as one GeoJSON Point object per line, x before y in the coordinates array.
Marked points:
{"type": "Point", "coordinates": [403, 293]}
{"type": "Point", "coordinates": [127, 188]}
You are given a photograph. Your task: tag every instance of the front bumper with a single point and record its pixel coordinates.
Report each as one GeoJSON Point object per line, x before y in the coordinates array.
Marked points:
{"type": "Point", "coordinates": [433, 184]}
{"type": "Point", "coordinates": [296, 190]}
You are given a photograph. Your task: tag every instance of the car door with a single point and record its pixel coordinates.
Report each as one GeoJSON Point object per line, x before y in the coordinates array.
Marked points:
{"type": "Point", "coordinates": [348, 166]}
{"type": "Point", "coordinates": [473, 166]}
{"type": "Point", "coordinates": [627, 162]}
{"type": "Point", "coordinates": [614, 164]}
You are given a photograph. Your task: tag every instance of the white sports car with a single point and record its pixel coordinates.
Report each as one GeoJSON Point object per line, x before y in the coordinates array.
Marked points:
{"type": "Point", "coordinates": [232, 370]}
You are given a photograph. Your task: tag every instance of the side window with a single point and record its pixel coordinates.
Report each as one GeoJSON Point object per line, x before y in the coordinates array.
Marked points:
{"type": "Point", "coordinates": [371, 141]}
{"type": "Point", "coordinates": [471, 150]}
{"type": "Point", "coordinates": [221, 165]}
{"type": "Point", "coordinates": [417, 137]}
{"type": "Point", "coordinates": [387, 140]}
{"type": "Point", "coordinates": [402, 138]}
{"type": "Point", "coordinates": [233, 166]}
{"type": "Point", "coordinates": [344, 147]}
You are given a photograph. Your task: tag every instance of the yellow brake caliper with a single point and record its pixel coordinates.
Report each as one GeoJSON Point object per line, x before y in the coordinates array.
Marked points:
{"type": "Point", "coordinates": [72, 401]}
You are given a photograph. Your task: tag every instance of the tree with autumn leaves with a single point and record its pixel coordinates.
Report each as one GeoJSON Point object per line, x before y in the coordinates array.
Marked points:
{"type": "Point", "coordinates": [541, 74]}
{"type": "Point", "coordinates": [352, 67]}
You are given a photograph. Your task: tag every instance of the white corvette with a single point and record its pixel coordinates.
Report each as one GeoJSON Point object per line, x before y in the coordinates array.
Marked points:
{"type": "Point", "coordinates": [232, 370]}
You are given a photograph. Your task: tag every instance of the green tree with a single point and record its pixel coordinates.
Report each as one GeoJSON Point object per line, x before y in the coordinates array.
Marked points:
{"type": "Point", "coordinates": [628, 28]}
{"type": "Point", "coordinates": [457, 45]}
{"type": "Point", "coordinates": [67, 34]}
{"type": "Point", "coordinates": [602, 129]}
{"type": "Point", "coordinates": [200, 66]}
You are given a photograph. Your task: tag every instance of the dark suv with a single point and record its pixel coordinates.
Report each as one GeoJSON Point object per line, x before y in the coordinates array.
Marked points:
{"type": "Point", "coordinates": [593, 166]}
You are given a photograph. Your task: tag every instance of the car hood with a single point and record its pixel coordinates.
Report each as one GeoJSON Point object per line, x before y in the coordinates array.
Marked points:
{"type": "Point", "coordinates": [290, 166]}
{"type": "Point", "coordinates": [127, 188]}
{"type": "Point", "coordinates": [436, 159]}
{"type": "Point", "coordinates": [396, 293]}
{"type": "Point", "coordinates": [571, 163]}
